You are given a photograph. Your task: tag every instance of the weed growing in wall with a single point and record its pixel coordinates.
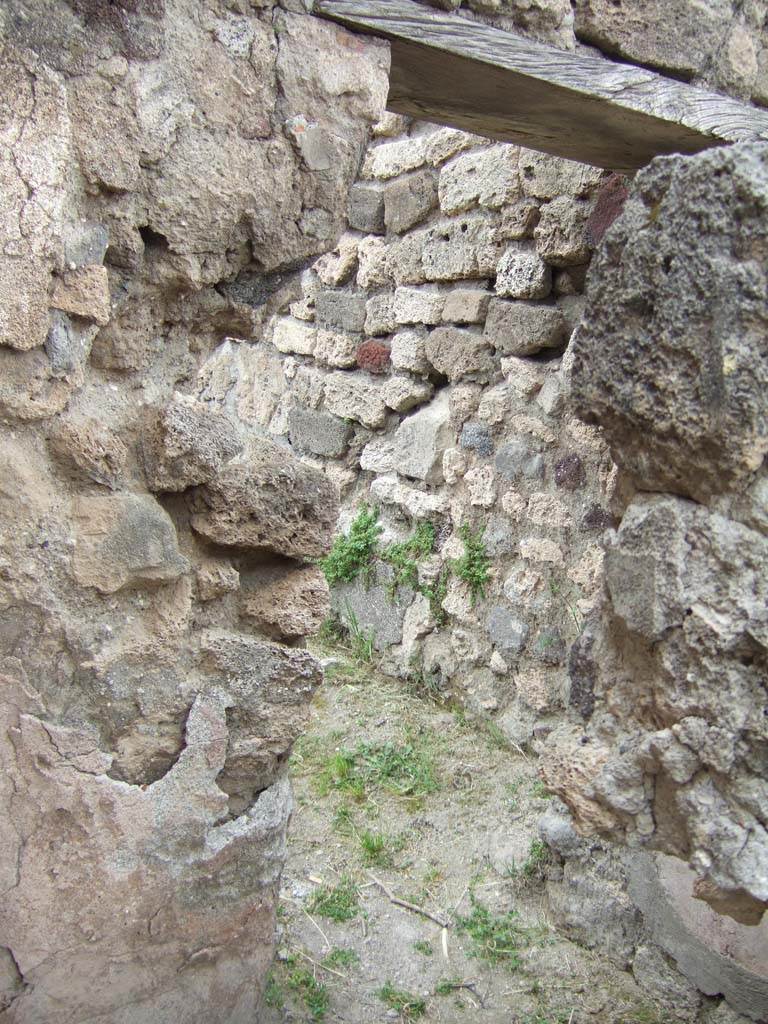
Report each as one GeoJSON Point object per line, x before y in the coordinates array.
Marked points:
{"type": "Point", "coordinates": [353, 552]}
{"type": "Point", "coordinates": [404, 557]}
{"type": "Point", "coordinates": [474, 566]}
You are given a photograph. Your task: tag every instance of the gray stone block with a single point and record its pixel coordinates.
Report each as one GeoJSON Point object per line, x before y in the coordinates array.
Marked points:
{"type": "Point", "coordinates": [318, 432]}
{"type": "Point", "coordinates": [372, 606]}
{"type": "Point", "coordinates": [366, 208]}
{"type": "Point", "coordinates": [476, 437]}
{"type": "Point", "coordinates": [524, 328]}
{"type": "Point", "coordinates": [506, 633]}
{"type": "Point", "coordinates": [408, 200]}
{"type": "Point", "coordinates": [672, 360]}
{"type": "Point", "coordinates": [341, 311]}
{"type": "Point", "coordinates": [422, 438]}
{"type": "Point", "coordinates": [498, 537]}
{"type": "Point", "coordinates": [518, 459]}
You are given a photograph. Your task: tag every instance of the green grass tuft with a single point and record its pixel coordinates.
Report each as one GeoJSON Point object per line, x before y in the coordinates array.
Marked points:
{"type": "Point", "coordinates": [446, 986]}
{"type": "Point", "coordinates": [313, 993]}
{"type": "Point", "coordinates": [409, 1006]}
{"type": "Point", "coordinates": [273, 994]}
{"type": "Point", "coordinates": [361, 643]}
{"type": "Point", "coordinates": [340, 903]}
{"type": "Point", "coordinates": [341, 958]}
{"type": "Point", "coordinates": [404, 557]}
{"type": "Point", "coordinates": [540, 791]}
{"type": "Point", "coordinates": [538, 857]}
{"type": "Point", "coordinates": [423, 947]}
{"type": "Point", "coordinates": [495, 939]}
{"type": "Point", "coordinates": [401, 769]}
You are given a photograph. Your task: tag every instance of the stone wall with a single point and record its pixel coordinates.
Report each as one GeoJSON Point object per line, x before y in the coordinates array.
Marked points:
{"type": "Point", "coordinates": [208, 333]}
{"type": "Point", "coordinates": [672, 362]}
{"type": "Point", "coordinates": [165, 166]}
{"type": "Point", "coordinates": [424, 374]}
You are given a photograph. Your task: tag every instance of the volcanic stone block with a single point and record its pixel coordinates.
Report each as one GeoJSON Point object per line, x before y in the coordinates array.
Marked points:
{"type": "Point", "coordinates": [267, 499]}
{"type": "Point", "coordinates": [366, 208]}
{"type": "Point", "coordinates": [524, 328]}
{"type": "Point", "coordinates": [408, 200]}
{"type": "Point", "coordinates": [187, 444]}
{"type": "Point", "coordinates": [672, 360]}
{"type": "Point", "coordinates": [418, 305]}
{"type": "Point", "coordinates": [341, 311]}
{"type": "Point", "coordinates": [457, 353]}
{"type": "Point", "coordinates": [422, 438]}
{"type": "Point", "coordinates": [486, 177]}
{"type": "Point", "coordinates": [523, 275]}
{"type": "Point", "coordinates": [318, 432]}
{"type": "Point", "coordinates": [124, 540]}
{"type": "Point", "coordinates": [355, 396]}
{"type": "Point", "coordinates": [294, 336]}
{"type": "Point", "coordinates": [466, 306]}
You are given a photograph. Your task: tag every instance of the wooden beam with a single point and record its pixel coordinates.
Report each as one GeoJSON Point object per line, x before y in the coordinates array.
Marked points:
{"type": "Point", "coordinates": [468, 75]}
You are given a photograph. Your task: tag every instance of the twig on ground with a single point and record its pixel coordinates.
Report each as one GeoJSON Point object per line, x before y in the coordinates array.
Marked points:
{"type": "Point", "coordinates": [316, 963]}
{"type": "Point", "coordinates": [438, 919]}
{"type": "Point", "coordinates": [445, 943]}
{"type": "Point", "coordinates": [470, 986]}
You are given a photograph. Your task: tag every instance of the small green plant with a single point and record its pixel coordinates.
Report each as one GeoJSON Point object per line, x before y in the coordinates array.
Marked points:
{"type": "Point", "coordinates": [341, 958]}
{"type": "Point", "coordinates": [312, 992]}
{"type": "Point", "coordinates": [424, 685]}
{"type": "Point", "coordinates": [493, 734]}
{"type": "Point", "coordinates": [331, 631]}
{"type": "Point", "coordinates": [474, 566]}
{"type": "Point", "coordinates": [435, 594]}
{"type": "Point", "coordinates": [340, 903]}
{"type": "Point", "coordinates": [539, 1018]}
{"type": "Point", "coordinates": [533, 865]}
{"type": "Point", "coordinates": [353, 552]}
{"type": "Point", "coordinates": [375, 849]}
{"type": "Point", "coordinates": [423, 947]}
{"type": "Point", "coordinates": [273, 994]}
{"type": "Point", "coordinates": [343, 821]}
{"type": "Point", "coordinates": [404, 557]}
{"type": "Point", "coordinates": [401, 769]}
{"type": "Point", "coordinates": [495, 939]}
{"type": "Point", "coordinates": [512, 794]}
{"type": "Point", "coordinates": [378, 850]}
{"type": "Point", "coordinates": [409, 1006]}
{"type": "Point", "coordinates": [446, 986]}
{"type": "Point", "coordinates": [540, 791]}
{"type": "Point", "coordinates": [361, 643]}
{"type": "Point", "coordinates": [642, 1015]}
{"type": "Point", "coordinates": [538, 857]}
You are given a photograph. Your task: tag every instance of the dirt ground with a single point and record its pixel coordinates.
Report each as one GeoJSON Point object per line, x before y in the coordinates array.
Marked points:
{"type": "Point", "coordinates": [398, 797]}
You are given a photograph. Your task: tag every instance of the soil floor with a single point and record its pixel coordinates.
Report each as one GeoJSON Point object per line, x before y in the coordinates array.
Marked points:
{"type": "Point", "coordinates": [398, 798]}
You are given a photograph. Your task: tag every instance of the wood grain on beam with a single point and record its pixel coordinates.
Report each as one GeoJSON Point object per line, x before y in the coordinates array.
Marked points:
{"type": "Point", "coordinates": [462, 73]}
